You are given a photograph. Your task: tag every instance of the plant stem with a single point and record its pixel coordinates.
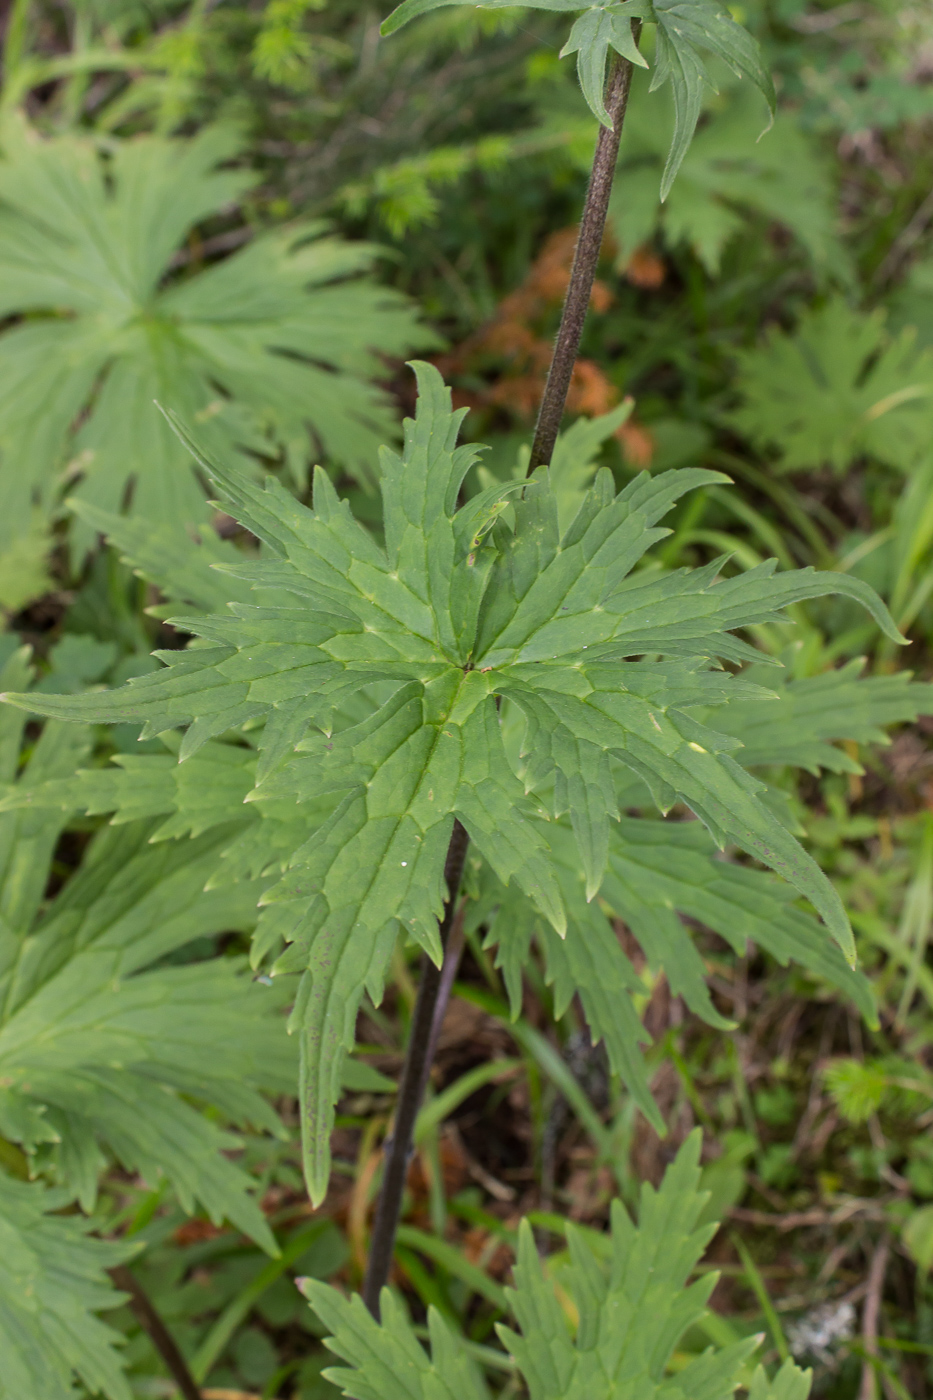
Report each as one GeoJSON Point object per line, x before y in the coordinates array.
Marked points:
{"type": "Point", "coordinates": [159, 1335]}
{"type": "Point", "coordinates": [585, 260]}
{"type": "Point", "coordinates": [435, 983]}
{"type": "Point", "coordinates": [453, 952]}
{"type": "Point", "coordinates": [421, 1040]}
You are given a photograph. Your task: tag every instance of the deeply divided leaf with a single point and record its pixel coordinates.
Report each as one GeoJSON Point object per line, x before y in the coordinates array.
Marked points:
{"type": "Point", "coordinates": [628, 1295]}
{"type": "Point", "coordinates": [376, 698]}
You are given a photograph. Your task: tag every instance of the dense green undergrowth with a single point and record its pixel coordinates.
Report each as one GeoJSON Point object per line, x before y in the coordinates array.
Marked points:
{"type": "Point", "coordinates": [676, 1141]}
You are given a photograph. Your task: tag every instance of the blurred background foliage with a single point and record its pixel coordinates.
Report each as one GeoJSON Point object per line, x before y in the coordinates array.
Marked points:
{"type": "Point", "coordinates": [253, 211]}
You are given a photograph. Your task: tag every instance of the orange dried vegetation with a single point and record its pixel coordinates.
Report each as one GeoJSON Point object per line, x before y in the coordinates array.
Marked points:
{"type": "Point", "coordinates": [514, 340]}
{"type": "Point", "coordinates": [644, 268]}
{"type": "Point", "coordinates": [196, 1231]}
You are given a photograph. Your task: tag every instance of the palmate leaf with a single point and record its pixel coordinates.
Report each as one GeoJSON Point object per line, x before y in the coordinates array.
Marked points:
{"type": "Point", "coordinates": [96, 1049]}
{"type": "Point", "coordinates": [686, 29]}
{"type": "Point", "coordinates": [655, 868]}
{"type": "Point", "coordinates": [630, 1297]}
{"type": "Point", "coordinates": [206, 792]}
{"type": "Point", "coordinates": [657, 873]}
{"type": "Point", "coordinates": [104, 1047]}
{"type": "Point", "coordinates": [52, 1283]}
{"type": "Point", "coordinates": [460, 610]}
{"type": "Point", "coordinates": [728, 178]}
{"type": "Point", "coordinates": [588, 962]}
{"type": "Point", "coordinates": [798, 724]}
{"type": "Point", "coordinates": [836, 388]}
{"type": "Point", "coordinates": [269, 349]}
{"type": "Point", "coordinates": [181, 562]}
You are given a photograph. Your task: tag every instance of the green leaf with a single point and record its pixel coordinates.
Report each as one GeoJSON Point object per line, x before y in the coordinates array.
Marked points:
{"type": "Point", "coordinates": [28, 840]}
{"type": "Point", "coordinates": [685, 27]}
{"type": "Point", "coordinates": [24, 573]}
{"type": "Point", "coordinates": [116, 1050]}
{"type": "Point", "coordinates": [593, 35]}
{"type": "Point", "coordinates": [918, 1237]}
{"type": "Point", "coordinates": [728, 180]}
{"type": "Point", "coordinates": [208, 791]}
{"type": "Point", "coordinates": [574, 460]}
{"type": "Point", "coordinates": [629, 1296]}
{"type": "Point", "coordinates": [790, 1383]}
{"type": "Point", "coordinates": [797, 726]}
{"type": "Point", "coordinates": [388, 1362]}
{"type": "Point", "coordinates": [53, 1282]}
{"type": "Point", "coordinates": [413, 9]}
{"type": "Point", "coordinates": [680, 761]}
{"type": "Point", "coordinates": [103, 1044]}
{"type": "Point", "coordinates": [269, 350]}
{"type": "Point", "coordinates": [685, 30]}
{"type": "Point", "coordinates": [380, 690]}
{"type": "Point", "coordinates": [656, 867]}
{"type": "Point", "coordinates": [588, 962]}
{"type": "Point", "coordinates": [185, 565]}
{"type": "Point", "coordinates": [640, 1286]}
{"type": "Point", "coordinates": [659, 873]}
{"type": "Point", "coordinates": [836, 388]}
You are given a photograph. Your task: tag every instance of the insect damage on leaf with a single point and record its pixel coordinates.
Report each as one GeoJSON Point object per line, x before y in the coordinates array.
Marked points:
{"type": "Point", "coordinates": [381, 689]}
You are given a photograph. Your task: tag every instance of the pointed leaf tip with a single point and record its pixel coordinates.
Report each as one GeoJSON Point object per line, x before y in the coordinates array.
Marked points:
{"type": "Point", "coordinates": [21, 701]}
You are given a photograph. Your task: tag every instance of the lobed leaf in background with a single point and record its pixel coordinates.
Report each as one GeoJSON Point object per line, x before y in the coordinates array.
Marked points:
{"type": "Point", "coordinates": [271, 351]}
{"type": "Point", "coordinates": [834, 389]}
{"type": "Point", "coordinates": [911, 303]}
{"type": "Point", "coordinates": [727, 178]}
{"type": "Point", "coordinates": [598, 1323]}
{"type": "Point", "coordinates": [115, 1036]}
{"type": "Point", "coordinates": [803, 719]}
{"type": "Point", "coordinates": [685, 30]}
{"type": "Point", "coordinates": [52, 1285]}
{"type": "Point", "coordinates": [462, 609]}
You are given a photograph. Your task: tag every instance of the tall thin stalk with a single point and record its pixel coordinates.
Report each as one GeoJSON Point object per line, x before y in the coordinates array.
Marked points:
{"type": "Point", "coordinates": [421, 1040]}
{"type": "Point", "coordinates": [585, 261]}
{"type": "Point", "coordinates": [151, 1321]}
{"type": "Point", "coordinates": [435, 983]}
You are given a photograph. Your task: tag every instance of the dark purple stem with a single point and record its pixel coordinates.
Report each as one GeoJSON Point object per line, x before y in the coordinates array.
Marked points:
{"type": "Point", "coordinates": [425, 1025]}
{"type": "Point", "coordinates": [159, 1335]}
{"type": "Point", "coordinates": [585, 261]}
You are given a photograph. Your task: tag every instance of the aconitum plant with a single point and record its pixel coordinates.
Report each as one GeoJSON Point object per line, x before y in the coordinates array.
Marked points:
{"type": "Point", "coordinates": [491, 677]}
